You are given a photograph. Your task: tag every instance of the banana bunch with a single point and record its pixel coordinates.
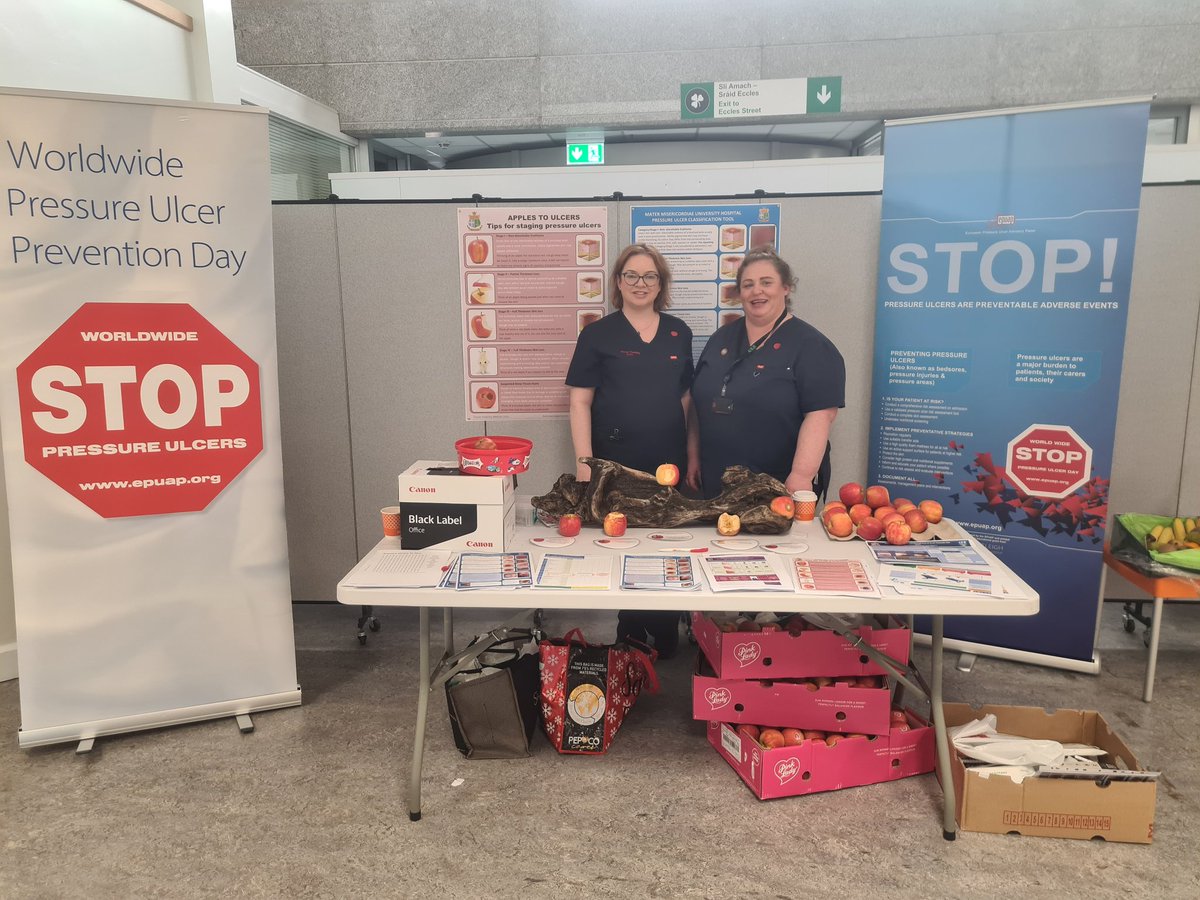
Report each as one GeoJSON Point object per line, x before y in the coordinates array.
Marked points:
{"type": "Point", "coordinates": [1178, 534]}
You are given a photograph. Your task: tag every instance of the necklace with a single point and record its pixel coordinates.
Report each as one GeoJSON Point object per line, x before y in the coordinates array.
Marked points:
{"type": "Point", "coordinates": [645, 332]}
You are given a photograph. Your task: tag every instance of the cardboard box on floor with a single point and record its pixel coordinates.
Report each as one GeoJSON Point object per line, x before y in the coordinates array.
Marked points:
{"type": "Point", "coordinates": [1081, 808]}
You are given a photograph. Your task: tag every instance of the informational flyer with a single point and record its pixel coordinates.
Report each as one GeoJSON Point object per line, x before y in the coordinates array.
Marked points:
{"type": "Point", "coordinates": [531, 279]}
{"type": "Point", "coordinates": [704, 246]}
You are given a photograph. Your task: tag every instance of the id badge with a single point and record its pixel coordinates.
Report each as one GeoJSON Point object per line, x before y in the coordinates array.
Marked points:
{"type": "Point", "coordinates": [722, 406]}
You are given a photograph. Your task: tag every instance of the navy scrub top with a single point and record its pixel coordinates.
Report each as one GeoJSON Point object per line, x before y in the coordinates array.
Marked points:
{"type": "Point", "coordinates": [798, 370]}
{"type": "Point", "coordinates": [637, 413]}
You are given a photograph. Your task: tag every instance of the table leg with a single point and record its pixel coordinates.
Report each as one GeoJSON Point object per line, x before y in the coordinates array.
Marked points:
{"type": "Point", "coordinates": [949, 828]}
{"type": "Point", "coordinates": [1152, 663]}
{"type": "Point", "coordinates": [448, 629]}
{"type": "Point", "coordinates": [414, 785]}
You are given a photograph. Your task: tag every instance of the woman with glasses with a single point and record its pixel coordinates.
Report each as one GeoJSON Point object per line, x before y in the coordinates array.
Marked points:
{"type": "Point", "coordinates": [629, 397]}
{"type": "Point", "coordinates": [768, 386]}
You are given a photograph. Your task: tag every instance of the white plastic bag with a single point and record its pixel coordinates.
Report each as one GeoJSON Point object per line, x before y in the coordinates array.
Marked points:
{"type": "Point", "coordinates": [979, 739]}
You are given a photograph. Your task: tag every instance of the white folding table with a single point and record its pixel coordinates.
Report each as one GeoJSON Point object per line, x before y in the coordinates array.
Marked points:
{"type": "Point", "coordinates": [1017, 599]}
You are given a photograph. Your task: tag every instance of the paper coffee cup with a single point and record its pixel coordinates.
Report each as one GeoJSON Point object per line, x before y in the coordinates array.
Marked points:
{"type": "Point", "coordinates": [806, 505]}
{"type": "Point", "coordinates": [391, 521]}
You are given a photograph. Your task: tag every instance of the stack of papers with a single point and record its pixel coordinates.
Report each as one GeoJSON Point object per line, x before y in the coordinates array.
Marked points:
{"type": "Point", "coordinates": [925, 579]}
{"type": "Point", "coordinates": [746, 572]}
{"type": "Point", "coordinates": [940, 553]}
{"type": "Point", "coordinates": [658, 573]}
{"type": "Point", "coordinates": [575, 573]}
{"type": "Point", "coordinates": [493, 570]}
{"type": "Point", "coordinates": [831, 577]}
{"type": "Point", "coordinates": [401, 568]}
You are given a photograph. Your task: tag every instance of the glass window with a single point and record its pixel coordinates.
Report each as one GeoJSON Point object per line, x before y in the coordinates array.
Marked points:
{"type": "Point", "coordinates": [301, 160]}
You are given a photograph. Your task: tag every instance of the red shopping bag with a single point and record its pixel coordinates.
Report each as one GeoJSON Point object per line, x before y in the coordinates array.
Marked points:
{"type": "Point", "coordinates": [588, 689]}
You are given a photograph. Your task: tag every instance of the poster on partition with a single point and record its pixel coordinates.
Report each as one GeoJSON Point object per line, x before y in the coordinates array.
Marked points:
{"type": "Point", "coordinates": [704, 246]}
{"type": "Point", "coordinates": [530, 279]}
{"type": "Point", "coordinates": [1006, 256]}
{"type": "Point", "coordinates": [139, 414]}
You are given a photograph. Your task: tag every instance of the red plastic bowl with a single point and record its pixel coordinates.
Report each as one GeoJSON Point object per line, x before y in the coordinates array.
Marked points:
{"type": "Point", "coordinates": [510, 456]}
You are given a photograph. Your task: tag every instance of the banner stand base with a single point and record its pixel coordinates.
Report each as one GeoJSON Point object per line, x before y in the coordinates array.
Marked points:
{"type": "Point", "coordinates": [1086, 666]}
{"type": "Point", "coordinates": [86, 731]}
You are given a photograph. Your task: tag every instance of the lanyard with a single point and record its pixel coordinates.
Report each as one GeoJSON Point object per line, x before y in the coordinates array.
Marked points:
{"type": "Point", "coordinates": [757, 345]}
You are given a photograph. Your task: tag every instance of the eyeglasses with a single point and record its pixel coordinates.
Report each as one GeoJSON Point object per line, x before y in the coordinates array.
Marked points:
{"type": "Point", "coordinates": [650, 279]}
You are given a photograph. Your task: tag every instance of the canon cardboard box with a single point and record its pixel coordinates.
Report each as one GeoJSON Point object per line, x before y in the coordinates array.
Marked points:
{"type": "Point", "coordinates": [441, 507]}
{"type": "Point", "coordinates": [1107, 805]}
{"type": "Point", "coordinates": [814, 766]}
{"type": "Point", "coordinates": [777, 654]}
{"type": "Point", "coordinates": [835, 707]}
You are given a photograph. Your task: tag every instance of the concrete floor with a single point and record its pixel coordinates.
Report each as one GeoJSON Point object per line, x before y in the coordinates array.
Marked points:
{"type": "Point", "coordinates": [312, 803]}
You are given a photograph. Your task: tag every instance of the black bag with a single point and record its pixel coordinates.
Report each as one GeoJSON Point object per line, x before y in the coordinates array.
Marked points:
{"type": "Point", "coordinates": [493, 714]}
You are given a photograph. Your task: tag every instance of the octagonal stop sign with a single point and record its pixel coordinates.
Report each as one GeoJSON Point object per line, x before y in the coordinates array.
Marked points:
{"type": "Point", "coordinates": [140, 409]}
{"type": "Point", "coordinates": [1049, 461]}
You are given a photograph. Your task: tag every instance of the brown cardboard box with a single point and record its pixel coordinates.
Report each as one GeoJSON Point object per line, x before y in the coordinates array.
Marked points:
{"type": "Point", "coordinates": [1082, 808]}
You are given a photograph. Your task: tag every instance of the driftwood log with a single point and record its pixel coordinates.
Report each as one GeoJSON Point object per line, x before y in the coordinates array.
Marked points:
{"type": "Point", "coordinates": [648, 504]}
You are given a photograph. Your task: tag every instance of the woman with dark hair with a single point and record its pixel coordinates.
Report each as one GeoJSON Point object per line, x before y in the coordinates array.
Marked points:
{"type": "Point", "coordinates": [629, 398]}
{"type": "Point", "coordinates": [768, 386]}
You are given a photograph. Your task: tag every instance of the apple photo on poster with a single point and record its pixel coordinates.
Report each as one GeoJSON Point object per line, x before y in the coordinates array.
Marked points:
{"type": "Point", "coordinates": [478, 249]}
{"type": "Point", "coordinates": [484, 396]}
{"type": "Point", "coordinates": [482, 324]}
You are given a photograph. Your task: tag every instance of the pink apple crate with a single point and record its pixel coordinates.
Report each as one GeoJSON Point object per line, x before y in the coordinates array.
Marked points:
{"type": "Point", "coordinates": [777, 654]}
{"type": "Point", "coordinates": [835, 707]}
{"type": "Point", "coordinates": [813, 766]}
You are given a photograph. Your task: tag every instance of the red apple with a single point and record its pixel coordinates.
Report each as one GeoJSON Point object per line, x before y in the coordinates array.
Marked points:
{"type": "Point", "coordinates": [667, 474]}
{"type": "Point", "coordinates": [850, 493]}
{"type": "Point", "coordinates": [477, 250]}
{"type": "Point", "coordinates": [833, 506]}
{"type": "Point", "coordinates": [615, 524]}
{"type": "Point", "coordinates": [888, 517]}
{"type": "Point", "coordinates": [882, 511]}
{"type": "Point", "coordinates": [901, 504]}
{"type": "Point", "coordinates": [811, 735]}
{"type": "Point", "coordinates": [877, 496]}
{"type": "Point", "coordinates": [840, 524]}
{"type": "Point", "coordinates": [897, 533]}
{"type": "Point", "coordinates": [898, 717]}
{"type": "Point", "coordinates": [834, 739]}
{"type": "Point", "coordinates": [783, 506]}
{"type": "Point", "coordinates": [858, 512]}
{"type": "Point", "coordinates": [569, 524]}
{"type": "Point", "coordinates": [870, 529]}
{"type": "Point", "coordinates": [771, 738]}
{"type": "Point", "coordinates": [915, 520]}
{"type": "Point", "coordinates": [932, 510]}
{"type": "Point", "coordinates": [750, 731]}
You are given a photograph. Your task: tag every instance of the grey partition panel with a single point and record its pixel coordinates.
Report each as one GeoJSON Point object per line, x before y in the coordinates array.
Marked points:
{"type": "Point", "coordinates": [399, 397]}
{"type": "Point", "coordinates": [404, 352]}
{"type": "Point", "coordinates": [317, 475]}
{"type": "Point", "coordinates": [1153, 434]}
{"type": "Point", "coordinates": [832, 244]}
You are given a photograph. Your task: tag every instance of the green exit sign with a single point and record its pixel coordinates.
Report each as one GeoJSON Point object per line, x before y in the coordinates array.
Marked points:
{"type": "Point", "coordinates": [585, 154]}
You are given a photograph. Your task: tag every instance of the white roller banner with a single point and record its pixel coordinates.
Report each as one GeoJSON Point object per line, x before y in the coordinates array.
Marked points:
{"type": "Point", "coordinates": [139, 414]}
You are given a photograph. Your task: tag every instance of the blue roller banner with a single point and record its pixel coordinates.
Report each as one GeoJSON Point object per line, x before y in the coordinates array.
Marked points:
{"type": "Point", "coordinates": [1006, 255]}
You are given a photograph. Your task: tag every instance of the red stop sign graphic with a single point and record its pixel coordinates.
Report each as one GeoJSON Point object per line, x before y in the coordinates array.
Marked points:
{"type": "Point", "coordinates": [140, 409]}
{"type": "Point", "coordinates": [1049, 461]}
